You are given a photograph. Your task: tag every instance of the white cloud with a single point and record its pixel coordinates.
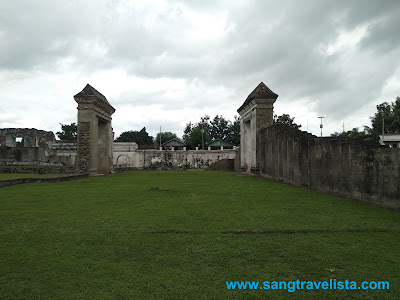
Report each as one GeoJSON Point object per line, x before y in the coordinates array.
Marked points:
{"type": "Point", "coordinates": [346, 40]}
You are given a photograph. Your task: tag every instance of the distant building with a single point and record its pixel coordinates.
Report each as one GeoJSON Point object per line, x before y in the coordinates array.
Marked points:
{"type": "Point", "coordinates": [174, 144]}
{"type": "Point", "coordinates": [391, 139]}
{"type": "Point", "coordinates": [220, 143]}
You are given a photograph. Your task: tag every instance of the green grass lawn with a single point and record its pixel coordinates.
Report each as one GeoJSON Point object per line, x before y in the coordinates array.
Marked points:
{"type": "Point", "coordinates": [173, 235]}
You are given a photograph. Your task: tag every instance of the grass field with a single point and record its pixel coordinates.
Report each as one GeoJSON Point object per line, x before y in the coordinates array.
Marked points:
{"type": "Point", "coordinates": [174, 235]}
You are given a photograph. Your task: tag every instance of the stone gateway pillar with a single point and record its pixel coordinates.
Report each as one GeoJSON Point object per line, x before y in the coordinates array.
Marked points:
{"type": "Point", "coordinates": [256, 112]}
{"type": "Point", "coordinates": [95, 136]}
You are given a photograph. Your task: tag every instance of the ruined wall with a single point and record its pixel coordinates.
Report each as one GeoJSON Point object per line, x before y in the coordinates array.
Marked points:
{"type": "Point", "coordinates": [344, 167]}
{"type": "Point", "coordinates": [167, 159]}
{"type": "Point", "coordinates": [38, 147]}
{"type": "Point", "coordinates": [23, 155]}
{"type": "Point", "coordinates": [31, 137]}
{"type": "Point", "coordinates": [125, 155]}
{"type": "Point", "coordinates": [35, 145]}
{"type": "Point", "coordinates": [64, 153]}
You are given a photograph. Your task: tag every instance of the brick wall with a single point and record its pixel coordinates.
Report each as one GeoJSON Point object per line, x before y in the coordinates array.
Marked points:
{"type": "Point", "coordinates": [83, 146]}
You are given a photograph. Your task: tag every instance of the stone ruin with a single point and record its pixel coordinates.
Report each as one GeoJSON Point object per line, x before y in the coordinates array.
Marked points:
{"type": "Point", "coordinates": [30, 137]}
{"type": "Point", "coordinates": [95, 135]}
{"type": "Point", "coordinates": [256, 112]}
{"type": "Point", "coordinates": [25, 144]}
{"type": "Point", "coordinates": [93, 152]}
{"type": "Point", "coordinates": [274, 151]}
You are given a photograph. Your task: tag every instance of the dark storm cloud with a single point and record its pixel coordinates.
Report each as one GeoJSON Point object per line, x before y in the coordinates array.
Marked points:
{"type": "Point", "coordinates": [384, 19]}
{"type": "Point", "coordinates": [295, 47]}
{"type": "Point", "coordinates": [283, 44]}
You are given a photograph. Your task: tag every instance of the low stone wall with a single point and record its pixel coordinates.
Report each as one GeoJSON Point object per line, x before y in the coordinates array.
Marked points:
{"type": "Point", "coordinates": [62, 158]}
{"type": "Point", "coordinates": [166, 159]}
{"type": "Point", "coordinates": [9, 182]}
{"type": "Point", "coordinates": [64, 153]}
{"type": "Point", "coordinates": [344, 167]}
{"type": "Point", "coordinates": [38, 169]}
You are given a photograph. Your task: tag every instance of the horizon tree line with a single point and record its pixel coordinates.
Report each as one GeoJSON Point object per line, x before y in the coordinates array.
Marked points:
{"type": "Point", "coordinates": [207, 130]}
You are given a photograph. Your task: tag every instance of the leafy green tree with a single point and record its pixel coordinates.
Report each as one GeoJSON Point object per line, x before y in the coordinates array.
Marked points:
{"type": "Point", "coordinates": [217, 128]}
{"type": "Point", "coordinates": [196, 138]}
{"type": "Point", "coordinates": [165, 137]}
{"type": "Point", "coordinates": [355, 133]}
{"type": "Point", "coordinates": [286, 119]}
{"type": "Point", "coordinates": [220, 128]}
{"type": "Point", "coordinates": [390, 113]}
{"type": "Point", "coordinates": [139, 137]}
{"type": "Point", "coordinates": [68, 133]}
{"type": "Point", "coordinates": [186, 132]}
{"type": "Point", "coordinates": [234, 132]}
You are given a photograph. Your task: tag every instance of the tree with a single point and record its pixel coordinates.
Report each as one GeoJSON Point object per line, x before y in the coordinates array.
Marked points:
{"type": "Point", "coordinates": [165, 137]}
{"type": "Point", "coordinates": [390, 113]}
{"type": "Point", "coordinates": [354, 134]}
{"type": "Point", "coordinates": [286, 119]}
{"type": "Point", "coordinates": [205, 124]}
{"type": "Point", "coordinates": [68, 133]}
{"type": "Point", "coordinates": [139, 137]}
{"type": "Point", "coordinates": [186, 132]}
{"type": "Point", "coordinates": [234, 132]}
{"type": "Point", "coordinates": [196, 137]}
{"type": "Point", "coordinates": [217, 128]}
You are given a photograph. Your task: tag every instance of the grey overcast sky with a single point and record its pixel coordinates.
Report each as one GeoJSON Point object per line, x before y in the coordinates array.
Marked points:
{"type": "Point", "coordinates": [168, 62]}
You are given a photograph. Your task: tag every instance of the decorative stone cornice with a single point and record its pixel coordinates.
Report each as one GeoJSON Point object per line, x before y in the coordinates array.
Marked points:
{"type": "Point", "coordinates": [90, 98]}
{"type": "Point", "coordinates": [262, 94]}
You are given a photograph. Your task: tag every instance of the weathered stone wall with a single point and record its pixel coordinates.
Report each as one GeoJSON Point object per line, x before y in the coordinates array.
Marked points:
{"type": "Point", "coordinates": [9, 182]}
{"type": "Point", "coordinates": [64, 153]}
{"type": "Point", "coordinates": [344, 167]}
{"type": "Point", "coordinates": [22, 155]}
{"type": "Point", "coordinates": [48, 153]}
{"type": "Point", "coordinates": [49, 168]}
{"type": "Point", "coordinates": [125, 155]}
{"type": "Point", "coordinates": [167, 159]}
{"type": "Point", "coordinates": [31, 137]}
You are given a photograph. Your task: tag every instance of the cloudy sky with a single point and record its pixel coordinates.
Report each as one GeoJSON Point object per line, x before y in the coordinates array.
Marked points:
{"type": "Point", "coordinates": [168, 62]}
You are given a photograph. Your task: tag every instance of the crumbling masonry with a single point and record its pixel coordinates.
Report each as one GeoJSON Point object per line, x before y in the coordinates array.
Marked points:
{"type": "Point", "coordinates": [95, 136]}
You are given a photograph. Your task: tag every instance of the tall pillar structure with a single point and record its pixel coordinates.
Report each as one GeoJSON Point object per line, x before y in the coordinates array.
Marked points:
{"type": "Point", "coordinates": [95, 136]}
{"type": "Point", "coordinates": [256, 112]}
